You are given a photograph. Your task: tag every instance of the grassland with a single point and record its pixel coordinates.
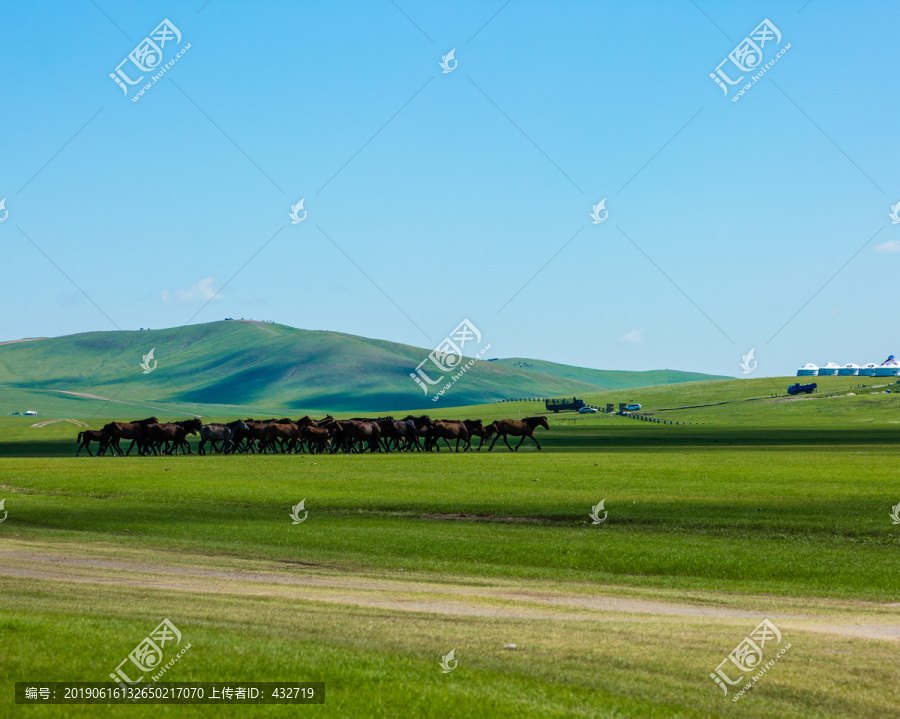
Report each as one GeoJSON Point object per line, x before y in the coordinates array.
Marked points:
{"type": "Point", "coordinates": [775, 509]}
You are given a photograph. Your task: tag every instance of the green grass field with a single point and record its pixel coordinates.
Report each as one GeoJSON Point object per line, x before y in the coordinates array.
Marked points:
{"type": "Point", "coordinates": [761, 507]}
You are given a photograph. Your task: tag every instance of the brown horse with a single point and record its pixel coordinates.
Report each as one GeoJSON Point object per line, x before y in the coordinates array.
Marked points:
{"type": "Point", "coordinates": [391, 430]}
{"type": "Point", "coordinates": [417, 427]}
{"type": "Point", "coordinates": [168, 436]}
{"type": "Point", "coordinates": [316, 438]}
{"type": "Point", "coordinates": [285, 434]}
{"type": "Point", "coordinates": [256, 432]}
{"type": "Point", "coordinates": [476, 429]}
{"type": "Point", "coordinates": [447, 429]}
{"type": "Point", "coordinates": [85, 438]}
{"type": "Point", "coordinates": [348, 432]}
{"type": "Point", "coordinates": [126, 430]}
{"type": "Point", "coordinates": [489, 432]}
{"type": "Point", "coordinates": [518, 428]}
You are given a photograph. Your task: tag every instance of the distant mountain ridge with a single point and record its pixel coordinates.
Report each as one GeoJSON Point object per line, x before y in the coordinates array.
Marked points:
{"type": "Point", "coordinates": [265, 364]}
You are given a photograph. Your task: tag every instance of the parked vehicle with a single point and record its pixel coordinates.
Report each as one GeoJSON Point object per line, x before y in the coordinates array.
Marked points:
{"type": "Point", "coordinates": [555, 405]}
{"type": "Point", "coordinates": [802, 388]}
{"type": "Point", "coordinates": [633, 407]}
{"type": "Point", "coordinates": [587, 410]}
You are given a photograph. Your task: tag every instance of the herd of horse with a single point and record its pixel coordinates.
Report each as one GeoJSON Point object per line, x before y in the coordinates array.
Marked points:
{"type": "Point", "coordinates": [385, 434]}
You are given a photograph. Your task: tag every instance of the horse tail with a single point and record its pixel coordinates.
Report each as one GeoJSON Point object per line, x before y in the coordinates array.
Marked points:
{"type": "Point", "coordinates": [80, 434]}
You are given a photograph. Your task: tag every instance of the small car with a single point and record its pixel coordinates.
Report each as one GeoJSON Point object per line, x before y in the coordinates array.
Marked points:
{"type": "Point", "coordinates": [634, 407]}
{"type": "Point", "coordinates": [587, 410]}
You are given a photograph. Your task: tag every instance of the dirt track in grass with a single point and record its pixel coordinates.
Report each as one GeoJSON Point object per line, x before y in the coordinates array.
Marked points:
{"type": "Point", "coordinates": [459, 596]}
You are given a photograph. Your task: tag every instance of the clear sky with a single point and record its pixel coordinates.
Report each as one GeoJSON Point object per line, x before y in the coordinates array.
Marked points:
{"type": "Point", "coordinates": [434, 196]}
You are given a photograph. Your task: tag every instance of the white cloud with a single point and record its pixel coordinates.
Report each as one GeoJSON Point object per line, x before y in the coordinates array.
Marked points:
{"type": "Point", "coordinates": [635, 336]}
{"type": "Point", "coordinates": [198, 292]}
{"type": "Point", "coordinates": [892, 246]}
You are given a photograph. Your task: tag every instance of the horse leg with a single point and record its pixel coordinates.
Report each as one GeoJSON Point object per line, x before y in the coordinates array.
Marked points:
{"type": "Point", "coordinates": [534, 439]}
{"type": "Point", "coordinates": [507, 443]}
{"type": "Point", "coordinates": [520, 442]}
{"type": "Point", "coordinates": [496, 437]}
{"type": "Point", "coordinates": [130, 446]}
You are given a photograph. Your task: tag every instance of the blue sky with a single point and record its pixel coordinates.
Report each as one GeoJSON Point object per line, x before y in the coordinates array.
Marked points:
{"type": "Point", "coordinates": [435, 196]}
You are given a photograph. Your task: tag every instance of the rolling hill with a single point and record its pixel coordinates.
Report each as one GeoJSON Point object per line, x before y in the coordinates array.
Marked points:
{"type": "Point", "coordinates": [264, 365]}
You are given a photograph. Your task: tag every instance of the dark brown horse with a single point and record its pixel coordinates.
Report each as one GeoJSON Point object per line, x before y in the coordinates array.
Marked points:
{"type": "Point", "coordinates": [391, 430]}
{"type": "Point", "coordinates": [316, 438]}
{"type": "Point", "coordinates": [126, 430]}
{"type": "Point", "coordinates": [85, 438]}
{"type": "Point", "coordinates": [256, 432]}
{"type": "Point", "coordinates": [350, 432]}
{"type": "Point", "coordinates": [476, 429]}
{"type": "Point", "coordinates": [489, 432]}
{"type": "Point", "coordinates": [168, 436]}
{"type": "Point", "coordinates": [518, 428]}
{"type": "Point", "coordinates": [421, 425]}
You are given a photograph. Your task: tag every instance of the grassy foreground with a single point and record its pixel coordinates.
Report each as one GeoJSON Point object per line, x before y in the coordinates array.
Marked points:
{"type": "Point", "coordinates": [711, 527]}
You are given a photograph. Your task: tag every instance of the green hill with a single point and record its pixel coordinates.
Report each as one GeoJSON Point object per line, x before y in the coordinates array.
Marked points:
{"type": "Point", "coordinates": [262, 365]}
{"type": "Point", "coordinates": [607, 378]}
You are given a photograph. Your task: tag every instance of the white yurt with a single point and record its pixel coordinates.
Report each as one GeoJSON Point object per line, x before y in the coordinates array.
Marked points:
{"type": "Point", "coordinates": [868, 370]}
{"type": "Point", "coordinates": [889, 368]}
{"type": "Point", "coordinates": [849, 370]}
{"type": "Point", "coordinates": [808, 370]}
{"type": "Point", "coordinates": [829, 369]}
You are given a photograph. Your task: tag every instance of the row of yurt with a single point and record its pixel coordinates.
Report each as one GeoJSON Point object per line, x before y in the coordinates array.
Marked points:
{"type": "Point", "coordinates": [889, 368]}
